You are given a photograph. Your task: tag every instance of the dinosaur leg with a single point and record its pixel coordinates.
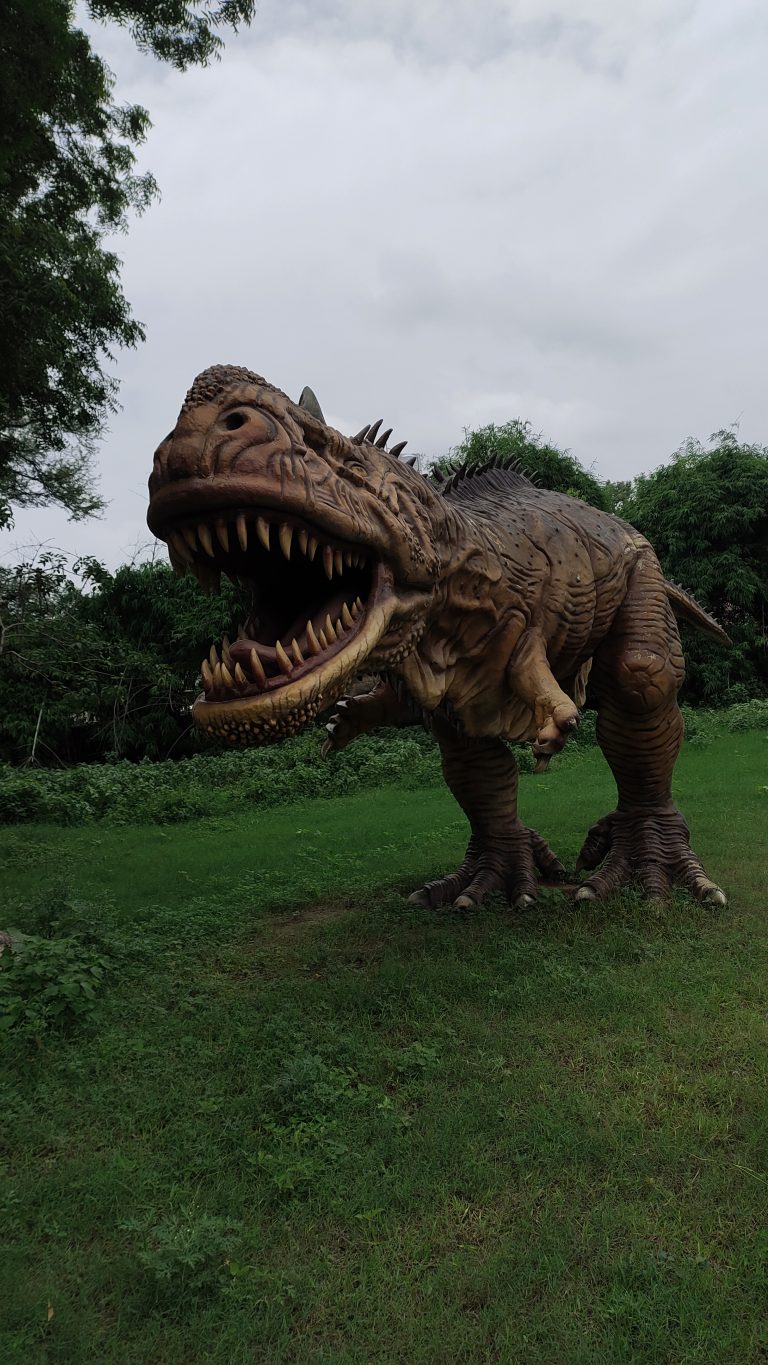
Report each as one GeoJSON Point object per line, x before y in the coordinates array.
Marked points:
{"type": "Point", "coordinates": [638, 671]}
{"type": "Point", "coordinates": [502, 854]}
{"type": "Point", "coordinates": [357, 715]}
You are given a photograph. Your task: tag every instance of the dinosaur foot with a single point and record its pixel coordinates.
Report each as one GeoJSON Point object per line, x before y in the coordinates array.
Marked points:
{"type": "Point", "coordinates": [651, 850]}
{"type": "Point", "coordinates": [507, 864]}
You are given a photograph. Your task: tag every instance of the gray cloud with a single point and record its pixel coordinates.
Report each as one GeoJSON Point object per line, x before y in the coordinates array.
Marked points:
{"type": "Point", "coordinates": [454, 213]}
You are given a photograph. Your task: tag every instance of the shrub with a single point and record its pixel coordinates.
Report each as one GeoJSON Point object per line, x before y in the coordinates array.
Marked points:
{"type": "Point", "coordinates": [183, 1253]}
{"type": "Point", "coordinates": [210, 784]}
{"type": "Point", "coordinates": [748, 715]}
{"type": "Point", "coordinates": [52, 977]}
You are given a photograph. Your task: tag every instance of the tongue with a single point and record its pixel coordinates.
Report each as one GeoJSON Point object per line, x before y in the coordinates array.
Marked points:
{"type": "Point", "coordinates": [241, 649]}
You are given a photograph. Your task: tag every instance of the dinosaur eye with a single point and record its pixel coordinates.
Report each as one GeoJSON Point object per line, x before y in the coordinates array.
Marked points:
{"type": "Point", "coordinates": [233, 420]}
{"type": "Point", "coordinates": [356, 467]}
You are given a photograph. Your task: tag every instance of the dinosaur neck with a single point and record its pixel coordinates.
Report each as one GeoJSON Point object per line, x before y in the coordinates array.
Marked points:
{"type": "Point", "coordinates": [474, 621]}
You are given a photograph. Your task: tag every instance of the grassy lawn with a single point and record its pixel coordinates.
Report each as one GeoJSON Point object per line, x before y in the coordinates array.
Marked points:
{"type": "Point", "coordinates": [308, 1123]}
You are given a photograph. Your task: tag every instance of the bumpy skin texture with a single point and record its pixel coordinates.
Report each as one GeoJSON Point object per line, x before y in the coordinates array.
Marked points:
{"type": "Point", "coordinates": [483, 605]}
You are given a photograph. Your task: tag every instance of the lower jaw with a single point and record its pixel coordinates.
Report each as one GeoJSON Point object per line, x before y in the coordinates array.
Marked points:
{"type": "Point", "coordinates": [286, 710]}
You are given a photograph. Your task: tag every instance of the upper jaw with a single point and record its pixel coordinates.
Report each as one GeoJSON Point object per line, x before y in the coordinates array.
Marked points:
{"type": "Point", "coordinates": [302, 496]}
{"type": "Point", "coordinates": [291, 500]}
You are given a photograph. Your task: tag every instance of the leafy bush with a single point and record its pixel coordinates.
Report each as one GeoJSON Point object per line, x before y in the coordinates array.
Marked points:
{"type": "Point", "coordinates": [706, 515]}
{"type": "Point", "coordinates": [701, 726]}
{"type": "Point", "coordinates": [169, 792]}
{"type": "Point", "coordinates": [52, 975]}
{"type": "Point", "coordinates": [22, 801]}
{"type": "Point", "coordinates": [184, 1253]}
{"type": "Point", "coordinates": [213, 784]}
{"type": "Point", "coordinates": [748, 715]}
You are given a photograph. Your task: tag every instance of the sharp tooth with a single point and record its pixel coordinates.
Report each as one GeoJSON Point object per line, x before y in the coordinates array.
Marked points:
{"type": "Point", "coordinates": [222, 535]}
{"type": "Point", "coordinates": [178, 544]}
{"type": "Point", "coordinates": [205, 539]}
{"type": "Point", "coordinates": [330, 632]}
{"type": "Point", "coordinates": [345, 616]}
{"type": "Point", "coordinates": [338, 561]}
{"type": "Point", "coordinates": [303, 541]}
{"type": "Point", "coordinates": [240, 677]}
{"type": "Point", "coordinates": [355, 609]}
{"type": "Point", "coordinates": [190, 537]}
{"type": "Point", "coordinates": [262, 531]}
{"type": "Point", "coordinates": [282, 658]}
{"type": "Point", "coordinates": [328, 561]}
{"type": "Point", "coordinates": [348, 558]}
{"type": "Point", "coordinates": [214, 656]}
{"type": "Point", "coordinates": [286, 536]}
{"type": "Point", "coordinates": [227, 676]}
{"type": "Point", "coordinates": [240, 633]}
{"type": "Point", "coordinates": [257, 668]}
{"type": "Point", "coordinates": [323, 641]}
{"type": "Point", "coordinates": [217, 678]}
{"type": "Point", "coordinates": [207, 676]}
{"type": "Point", "coordinates": [314, 643]}
{"type": "Point", "coordinates": [358, 604]}
{"type": "Point", "coordinates": [312, 550]}
{"type": "Point", "coordinates": [296, 652]}
{"type": "Point", "coordinates": [242, 532]}
{"type": "Point", "coordinates": [178, 565]}
{"type": "Point", "coordinates": [339, 629]}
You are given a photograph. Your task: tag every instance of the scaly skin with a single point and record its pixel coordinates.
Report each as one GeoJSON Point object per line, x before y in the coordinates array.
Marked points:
{"type": "Point", "coordinates": [484, 603]}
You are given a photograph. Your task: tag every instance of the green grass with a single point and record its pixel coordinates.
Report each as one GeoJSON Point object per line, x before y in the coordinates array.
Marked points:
{"type": "Point", "coordinates": [307, 1123]}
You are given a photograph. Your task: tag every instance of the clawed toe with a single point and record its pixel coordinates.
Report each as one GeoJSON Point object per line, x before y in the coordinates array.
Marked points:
{"type": "Point", "coordinates": [586, 893]}
{"type": "Point", "coordinates": [508, 864]}
{"type": "Point", "coordinates": [649, 850]}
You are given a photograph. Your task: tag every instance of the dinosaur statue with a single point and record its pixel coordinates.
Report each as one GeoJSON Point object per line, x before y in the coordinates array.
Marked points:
{"type": "Point", "coordinates": [481, 605]}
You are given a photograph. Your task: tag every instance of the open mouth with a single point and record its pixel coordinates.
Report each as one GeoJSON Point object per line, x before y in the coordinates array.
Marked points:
{"type": "Point", "coordinates": [312, 601]}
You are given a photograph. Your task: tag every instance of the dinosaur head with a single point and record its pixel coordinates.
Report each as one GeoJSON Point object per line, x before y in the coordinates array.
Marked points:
{"type": "Point", "coordinates": [334, 538]}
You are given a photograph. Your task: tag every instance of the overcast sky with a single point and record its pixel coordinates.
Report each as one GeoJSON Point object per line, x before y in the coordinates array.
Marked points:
{"type": "Point", "coordinates": [452, 212]}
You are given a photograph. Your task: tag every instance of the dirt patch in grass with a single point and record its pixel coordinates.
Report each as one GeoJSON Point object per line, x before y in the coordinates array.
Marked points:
{"type": "Point", "coordinates": [283, 928]}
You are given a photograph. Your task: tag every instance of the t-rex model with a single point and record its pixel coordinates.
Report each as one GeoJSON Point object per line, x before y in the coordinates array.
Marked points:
{"type": "Point", "coordinates": [482, 604]}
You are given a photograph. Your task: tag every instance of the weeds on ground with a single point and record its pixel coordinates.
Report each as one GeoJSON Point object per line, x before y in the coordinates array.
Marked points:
{"type": "Point", "coordinates": [53, 971]}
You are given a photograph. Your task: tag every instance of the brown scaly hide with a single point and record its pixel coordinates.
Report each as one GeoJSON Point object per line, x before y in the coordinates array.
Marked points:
{"type": "Point", "coordinates": [482, 606]}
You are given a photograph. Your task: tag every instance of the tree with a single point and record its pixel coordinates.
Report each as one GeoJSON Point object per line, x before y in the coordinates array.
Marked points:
{"type": "Point", "coordinates": [105, 667]}
{"type": "Point", "coordinates": [706, 515]}
{"type": "Point", "coordinates": [515, 440]}
{"type": "Point", "coordinates": [66, 179]}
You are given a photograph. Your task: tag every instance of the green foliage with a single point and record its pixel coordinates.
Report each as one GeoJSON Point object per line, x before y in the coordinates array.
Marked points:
{"type": "Point", "coordinates": [172, 792]}
{"type": "Point", "coordinates": [185, 1253]}
{"type": "Point", "coordinates": [706, 515]}
{"type": "Point", "coordinates": [516, 441]}
{"type": "Point", "coordinates": [221, 784]}
{"type": "Point", "coordinates": [617, 494]}
{"type": "Point", "coordinates": [703, 726]}
{"type": "Point", "coordinates": [66, 180]}
{"type": "Point", "coordinates": [102, 668]}
{"type": "Point", "coordinates": [52, 978]}
{"type": "Point", "coordinates": [175, 31]}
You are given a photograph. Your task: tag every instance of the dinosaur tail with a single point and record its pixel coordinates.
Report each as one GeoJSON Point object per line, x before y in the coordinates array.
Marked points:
{"type": "Point", "coordinates": [686, 608]}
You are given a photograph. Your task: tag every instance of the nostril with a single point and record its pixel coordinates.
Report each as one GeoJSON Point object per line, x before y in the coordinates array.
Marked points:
{"type": "Point", "coordinates": [233, 420]}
